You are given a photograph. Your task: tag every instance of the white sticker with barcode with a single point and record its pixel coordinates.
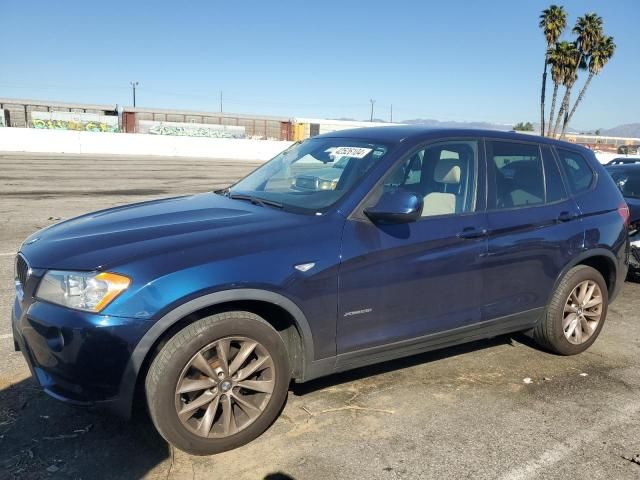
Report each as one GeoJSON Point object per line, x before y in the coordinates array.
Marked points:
{"type": "Point", "coordinates": [353, 152]}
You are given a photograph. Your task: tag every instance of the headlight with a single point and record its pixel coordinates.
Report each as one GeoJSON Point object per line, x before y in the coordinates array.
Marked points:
{"type": "Point", "coordinates": [327, 184]}
{"type": "Point", "coordinates": [88, 291]}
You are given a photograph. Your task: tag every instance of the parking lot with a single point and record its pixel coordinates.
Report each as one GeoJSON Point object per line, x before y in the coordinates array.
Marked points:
{"type": "Point", "coordinates": [500, 408]}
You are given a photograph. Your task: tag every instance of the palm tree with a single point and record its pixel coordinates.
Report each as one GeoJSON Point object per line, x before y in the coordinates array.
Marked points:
{"type": "Point", "coordinates": [559, 56]}
{"type": "Point", "coordinates": [588, 28]}
{"type": "Point", "coordinates": [553, 21]}
{"type": "Point", "coordinates": [601, 53]}
{"type": "Point", "coordinates": [589, 31]}
{"type": "Point", "coordinates": [567, 63]}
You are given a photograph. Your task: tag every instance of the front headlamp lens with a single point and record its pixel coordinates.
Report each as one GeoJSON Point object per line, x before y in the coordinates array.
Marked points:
{"type": "Point", "coordinates": [327, 184]}
{"type": "Point", "coordinates": [88, 291]}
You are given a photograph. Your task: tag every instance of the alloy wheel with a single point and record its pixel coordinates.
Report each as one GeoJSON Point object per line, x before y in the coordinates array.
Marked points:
{"type": "Point", "coordinates": [225, 387]}
{"type": "Point", "coordinates": [582, 312]}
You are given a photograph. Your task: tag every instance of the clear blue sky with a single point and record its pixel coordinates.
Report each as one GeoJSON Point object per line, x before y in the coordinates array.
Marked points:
{"type": "Point", "coordinates": [447, 60]}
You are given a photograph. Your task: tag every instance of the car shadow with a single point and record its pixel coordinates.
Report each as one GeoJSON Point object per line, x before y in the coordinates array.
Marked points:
{"type": "Point", "coordinates": [300, 389]}
{"type": "Point", "coordinates": [278, 476]}
{"type": "Point", "coordinates": [43, 438]}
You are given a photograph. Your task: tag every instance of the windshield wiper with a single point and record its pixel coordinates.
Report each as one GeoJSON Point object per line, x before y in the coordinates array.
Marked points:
{"type": "Point", "coordinates": [255, 200]}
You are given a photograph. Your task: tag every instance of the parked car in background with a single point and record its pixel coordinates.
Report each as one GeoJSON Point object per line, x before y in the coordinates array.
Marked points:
{"type": "Point", "coordinates": [624, 161]}
{"type": "Point", "coordinates": [627, 177]}
{"type": "Point", "coordinates": [327, 176]}
{"type": "Point", "coordinates": [321, 178]}
{"type": "Point", "coordinates": [205, 307]}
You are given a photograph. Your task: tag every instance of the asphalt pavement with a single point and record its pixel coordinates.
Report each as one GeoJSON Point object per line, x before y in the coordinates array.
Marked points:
{"type": "Point", "coordinates": [500, 408]}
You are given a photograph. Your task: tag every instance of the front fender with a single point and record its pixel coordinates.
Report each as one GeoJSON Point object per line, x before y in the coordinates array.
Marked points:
{"type": "Point", "coordinates": [149, 339]}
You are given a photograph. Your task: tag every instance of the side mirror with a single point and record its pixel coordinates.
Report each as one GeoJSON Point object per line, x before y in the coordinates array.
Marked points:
{"type": "Point", "coordinates": [396, 207]}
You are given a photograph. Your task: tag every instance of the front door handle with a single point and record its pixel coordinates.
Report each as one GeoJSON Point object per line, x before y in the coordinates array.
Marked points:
{"type": "Point", "coordinates": [472, 232]}
{"type": "Point", "coordinates": [566, 217]}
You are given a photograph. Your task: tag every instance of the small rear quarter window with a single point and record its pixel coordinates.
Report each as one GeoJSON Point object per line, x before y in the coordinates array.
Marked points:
{"type": "Point", "coordinates": [577, 170]}
{"type": "Point", "coordinates": [555, 187]}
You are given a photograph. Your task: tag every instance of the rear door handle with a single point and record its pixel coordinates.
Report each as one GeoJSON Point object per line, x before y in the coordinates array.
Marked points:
{"type": "Point", "coordinates": [566, 216]}
{"type": "Point", "coordinates": [472, 232]}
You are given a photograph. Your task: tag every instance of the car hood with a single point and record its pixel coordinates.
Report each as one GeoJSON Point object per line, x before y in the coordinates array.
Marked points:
{"type": "Point", "coordinates": [105, 238]}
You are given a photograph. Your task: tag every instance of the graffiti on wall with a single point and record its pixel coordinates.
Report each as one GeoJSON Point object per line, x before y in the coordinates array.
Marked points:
{"type": "Point", "coordinates": [190, 129]}
{"type": "Point", "coordinates": [79, 126]}
{"type": "Point", "coordinates": [83, 122]}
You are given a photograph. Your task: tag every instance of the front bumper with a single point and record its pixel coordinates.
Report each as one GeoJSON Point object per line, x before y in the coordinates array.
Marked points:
{"type": "Point", "coordinates": [77, 357]}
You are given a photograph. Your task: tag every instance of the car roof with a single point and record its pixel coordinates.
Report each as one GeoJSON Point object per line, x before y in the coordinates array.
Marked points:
{"type": "Point", "coordinates": [414, 133]}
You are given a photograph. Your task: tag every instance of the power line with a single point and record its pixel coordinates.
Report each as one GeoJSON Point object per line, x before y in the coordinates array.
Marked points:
{"type": "Point", "coordinates": [223, 100]}
{"type": "Point", "coordinates": [237, 99]}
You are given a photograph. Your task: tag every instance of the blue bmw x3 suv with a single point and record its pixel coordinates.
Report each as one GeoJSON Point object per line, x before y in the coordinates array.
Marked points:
{"type": "Point", "coordinates": [207, 306]}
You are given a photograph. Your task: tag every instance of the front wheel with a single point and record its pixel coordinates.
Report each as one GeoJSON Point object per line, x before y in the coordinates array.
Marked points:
{"type": "Point", "coordinates": [576, 314]}
{"type": "Point", "coordinates": [218, 383]}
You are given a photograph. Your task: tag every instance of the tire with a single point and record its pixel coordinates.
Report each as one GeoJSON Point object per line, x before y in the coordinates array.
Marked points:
{"type": "Point", "coordinates": [552, 330]}
{"type": "Point", "coordinates": [180, 360]}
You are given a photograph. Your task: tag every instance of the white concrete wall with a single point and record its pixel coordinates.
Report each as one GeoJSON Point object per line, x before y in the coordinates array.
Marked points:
{"type": "Point", "coordinates": [65, 141]}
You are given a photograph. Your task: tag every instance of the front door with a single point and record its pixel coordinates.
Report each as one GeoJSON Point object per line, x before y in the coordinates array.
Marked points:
{"type": "Point", "coordinates": [404, 281]}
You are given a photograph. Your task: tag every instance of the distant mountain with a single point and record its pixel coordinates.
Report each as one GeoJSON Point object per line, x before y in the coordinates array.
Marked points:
{"type": "Point", "coordinates": [450, 124]}
{"type": "Point", "coordinates": [348, 119]}
{"type": "Point", "coordinates": [628, 130]}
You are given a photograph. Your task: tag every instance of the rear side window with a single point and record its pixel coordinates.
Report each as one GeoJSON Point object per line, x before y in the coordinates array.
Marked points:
{"type": "Point", "coordinates": [576, 169]}
{"type": "Point", "coordinates": [518, 173]}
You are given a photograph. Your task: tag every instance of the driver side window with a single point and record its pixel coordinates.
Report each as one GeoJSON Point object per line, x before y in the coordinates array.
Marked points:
{"type": "Point", "coordinates": [443, 174]}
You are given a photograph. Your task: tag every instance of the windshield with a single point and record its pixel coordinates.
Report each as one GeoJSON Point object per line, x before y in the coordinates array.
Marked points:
{"type": "Point", "coordinates": [628, 181]}
{"type": "Point", "coordinates": [311, 176]}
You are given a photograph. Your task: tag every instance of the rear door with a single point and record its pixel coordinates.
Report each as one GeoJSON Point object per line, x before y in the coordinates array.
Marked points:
{"type": "Point", "coordinates": [534, 229]}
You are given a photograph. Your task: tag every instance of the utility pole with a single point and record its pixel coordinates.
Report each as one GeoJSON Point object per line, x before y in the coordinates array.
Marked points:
{"type": "Point", "coordinates": [391, 114]}
{"type": "Point", "coordinates": [372, 103]}
{"type": "Point", "coordinates": [220, 101]}
{"type": "Point", "coordinates": [133, 86]}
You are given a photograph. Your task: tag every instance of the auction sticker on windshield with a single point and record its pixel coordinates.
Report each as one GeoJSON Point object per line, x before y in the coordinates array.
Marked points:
{"type": "Point", "coordinates": [353, 152]}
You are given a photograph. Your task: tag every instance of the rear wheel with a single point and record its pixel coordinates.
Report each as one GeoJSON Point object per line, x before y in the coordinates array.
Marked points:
{"type": "Point", "coordinates": [218, 383]}
{"type": "Point", "coordinates": [576, 313]}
